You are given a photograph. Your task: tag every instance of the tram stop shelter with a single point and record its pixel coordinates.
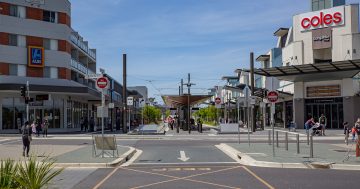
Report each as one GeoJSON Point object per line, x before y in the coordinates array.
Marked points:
{"type": "Point", "coordinates": [184, 101]}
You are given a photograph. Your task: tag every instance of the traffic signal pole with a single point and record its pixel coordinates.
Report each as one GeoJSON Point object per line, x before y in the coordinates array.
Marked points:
{"type": "Point", "coordinates": [27, 98]}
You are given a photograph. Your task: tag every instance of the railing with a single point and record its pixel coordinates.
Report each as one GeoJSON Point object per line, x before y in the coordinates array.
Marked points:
{"type": "Point", "coordinates": [78, 42]}
{"type": "Point", "coordinates": [309, 141]}
{"type": "Point", "coordinates": [81, 68]}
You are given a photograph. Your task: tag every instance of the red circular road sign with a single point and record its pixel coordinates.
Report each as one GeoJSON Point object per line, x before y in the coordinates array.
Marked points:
{"type": "Point", "coordinates": [273, 96]}
{"type": "Point", "coordinates": [102, 82]}
{"type": "Point", "coordinates": [217, 100]}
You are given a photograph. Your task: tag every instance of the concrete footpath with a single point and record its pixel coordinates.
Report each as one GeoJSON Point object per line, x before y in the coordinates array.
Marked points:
{"type": "Point", "coordinates": [325, 155]}
{"type": "Point", "coordinates": [68, 155]}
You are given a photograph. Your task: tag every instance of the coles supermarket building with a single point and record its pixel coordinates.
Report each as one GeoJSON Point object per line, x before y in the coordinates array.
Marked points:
{"type": "Point", "coordinates": [318, 61]}
{"type": "Point", "coordinates": [38, 44]}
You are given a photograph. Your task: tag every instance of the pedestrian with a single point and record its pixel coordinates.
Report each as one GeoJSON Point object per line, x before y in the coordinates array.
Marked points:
{"type": "Point", "coordinates": [26, 138]}
{"type": "Point", "coordinates": [323, 123]}
{"type": "Point", "coordinates": [353, 132]}
{"type": "Point", "coordinates": [92, 124]}
{"type": "Point", "coordinates": [45, 127]}
{"type": "Point", "coordinates": [309, 123]}
{"type": "Point", "coordinates": [38, 127]}
{"type": "Point", "coordinates": [33, 127]}
{"type": "Point", "coordinates": [81, 124]}
{"type": "Point", "coordinates": [357, 126]}
{"type": "Point", "coordinates": [347, 130]}
{"type": "Point", "coordinates": [86, 125]}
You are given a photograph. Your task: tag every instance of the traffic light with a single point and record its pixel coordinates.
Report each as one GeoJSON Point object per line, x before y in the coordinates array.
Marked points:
{"type": "Point", "coordinates": [23, 91]}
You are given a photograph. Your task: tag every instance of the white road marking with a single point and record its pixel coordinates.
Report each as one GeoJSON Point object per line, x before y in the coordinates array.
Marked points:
{"type": "Point", "coordinates": [183, 156]}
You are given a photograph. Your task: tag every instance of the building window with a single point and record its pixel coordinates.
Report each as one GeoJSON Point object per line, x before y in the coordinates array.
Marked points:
{"type": "Point", "coordinates": [13, 40]}
{"type": "Point", "coordinates": [46, 44]}
{"type": "Point", "coordinates": [54, 72]}
{"type": "Point", "coordinates": [17, 11]}
{"type": "Point", "coordinates": [47, 72]}
{"type": "Point", "coordinates": [13, 69]}
{"type": "Point", "coordinates": [21, 41]}
{"type": "Point", "coordinates": [50, 16]}
{"type": "Point", "coordinates": [21, 70]}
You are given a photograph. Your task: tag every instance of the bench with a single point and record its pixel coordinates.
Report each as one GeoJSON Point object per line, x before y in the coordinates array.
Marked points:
{"type": "Point", "coordinates": [106, 143]}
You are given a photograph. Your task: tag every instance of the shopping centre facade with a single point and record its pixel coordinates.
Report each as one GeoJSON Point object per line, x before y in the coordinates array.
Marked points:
{"type": "Point", "coordinates": [314, 67]}
{"type": "Point", "coordinates": [38, 45]}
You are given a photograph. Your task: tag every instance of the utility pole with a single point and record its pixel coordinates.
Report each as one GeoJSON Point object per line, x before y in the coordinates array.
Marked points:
{"type": "Point", "coordinates": [27, 100]}
{"type": "Point", "coordinates": [188, 102]}
{"type": "Point", "coordinates": [253, 112]}
{"type": "Point", "coordinates": [124, 95]}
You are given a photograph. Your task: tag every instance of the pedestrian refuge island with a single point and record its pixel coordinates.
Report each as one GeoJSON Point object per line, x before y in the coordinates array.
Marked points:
{"type": "Point", "coordinates": [105, 145]}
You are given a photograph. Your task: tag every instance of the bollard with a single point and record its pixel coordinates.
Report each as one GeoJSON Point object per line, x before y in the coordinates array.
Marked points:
{"type": "Point", "coordinates": [307, 137]}
{"type": "Point", "coordinates": [269, 137]}
{"type": "Point", "coordinates": [311, 147]}
{"type": "Point", "coordinates": [286, 141]}
{"type": "Point", "coordinates": [277, 139]}
{"type": "Point", "coordinates": [298, 144]}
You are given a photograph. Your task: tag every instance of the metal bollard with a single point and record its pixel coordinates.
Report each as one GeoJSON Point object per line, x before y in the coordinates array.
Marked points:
{"type": "Point", "coordinates": [307, 137]}
{"type": "Point", "coordinates": [269, 139]}
{"type": "Point", "coordinates": [347, 137]}
{"type": "Point", "coordinates": [277, 139]}
{"type": "Point", "coordinates": [286, 141]}
{"type": "Point", "coordinates": [298, 144]}
{"type": "Point", "coordinates": [311, 147]}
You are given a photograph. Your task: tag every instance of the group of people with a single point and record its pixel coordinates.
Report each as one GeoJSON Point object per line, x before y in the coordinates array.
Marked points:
{"type": "Point", "coordinates": [36, 128]}
{"type": "Point", "coordinates": [84, 124]}
{"type": "Point", "coordinates": [316, 126]}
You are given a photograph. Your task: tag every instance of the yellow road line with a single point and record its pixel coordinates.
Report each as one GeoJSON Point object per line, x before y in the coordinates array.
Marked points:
{"type": "Point", "coordinates": [258, 178]}
{"type": "Point", "coordinates": [106, 178]}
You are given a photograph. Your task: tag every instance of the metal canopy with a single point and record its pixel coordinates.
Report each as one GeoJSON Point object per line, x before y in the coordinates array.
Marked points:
{"type": "Point", "coordinates": [312, 72]}
{"type": "Point", "coordinates": [182, 100]}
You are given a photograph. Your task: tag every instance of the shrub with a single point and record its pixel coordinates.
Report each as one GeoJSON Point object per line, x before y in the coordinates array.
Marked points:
{"type": "Point", "coordinates": [8, 168]}
{"type": "Point", "coordinates": [35, 175]}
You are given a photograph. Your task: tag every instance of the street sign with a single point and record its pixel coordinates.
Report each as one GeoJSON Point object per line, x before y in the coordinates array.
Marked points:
{"type": "Point", "coordinates": [100, 113]}
{"type": "Point", "coordinates": [111, 105]}
{"type": "Point", "coordinates": [102, 82]}
{"type": "Point", "coordinates": [93, 76]}
{"type": "Point", "coordinates": [273, 96]}
{"type": "Point", "coordinates": [130, 101]}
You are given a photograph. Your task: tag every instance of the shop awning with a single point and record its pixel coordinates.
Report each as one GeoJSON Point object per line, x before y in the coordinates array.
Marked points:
{"type": "Point", "coordinates": [182, 100]}
{"type": "Point", "coordinates": [312, 72]}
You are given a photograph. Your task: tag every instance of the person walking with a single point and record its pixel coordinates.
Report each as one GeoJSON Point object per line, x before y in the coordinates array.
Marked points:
{"type": "Point", "coordinates": [323, 123]}
{"type": "Point", "coordinates": [86, 124]}
{"type": "Point", "coordinates": [357, 127]}
{"type": "Point", "coordinates": [353, 132]}
{"type": "Point", "coordinates": [347, 131]}
{"type": "Point", "coordinates": [309, 123]}
{"type": "Point", "coordinates": [26, 138]}
{"type": "Point", "coordinates": [38, 127]}
{"type": "Point", "coordinates": [92, 124]}
{"type": "Point", "coordinates": [45, 127]}
{"type": "Point", "coordinates": [81, 124]}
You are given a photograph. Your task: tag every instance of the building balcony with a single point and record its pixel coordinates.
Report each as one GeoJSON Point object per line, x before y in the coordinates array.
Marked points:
{"type": "Point", "coordinates": [78, 41]}
{"type": "Point", "coordinates": [80, 68]}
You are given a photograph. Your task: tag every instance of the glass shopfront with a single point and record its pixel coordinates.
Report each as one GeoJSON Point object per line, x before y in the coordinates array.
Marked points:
{"type": "Point", "coordinates": [332, 108]}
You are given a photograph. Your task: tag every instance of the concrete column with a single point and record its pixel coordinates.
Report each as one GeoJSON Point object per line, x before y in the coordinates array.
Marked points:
{"type": "Point", "coordinates": [1, 126]}
{"type": "Point", "coordinates": [299, 112]}
{"type": "Point", "coordinates": [351, 108]}
{"type": "Point", "coordinates": [284, 114]}
{"type": "Point", "coordinates": [64, 125]}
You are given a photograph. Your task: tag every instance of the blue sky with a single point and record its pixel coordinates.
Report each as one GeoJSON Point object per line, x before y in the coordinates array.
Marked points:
{"type": "Point", "coordinates": [166, 39]}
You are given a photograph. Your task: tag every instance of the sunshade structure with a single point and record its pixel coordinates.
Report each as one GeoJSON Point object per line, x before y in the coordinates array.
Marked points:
{"type": "Point", "coordinates": [313, 72]}
{"type": "Point", "coordinates": [183, 100]}
{"type": "Point", "coordinates": [259, 92]}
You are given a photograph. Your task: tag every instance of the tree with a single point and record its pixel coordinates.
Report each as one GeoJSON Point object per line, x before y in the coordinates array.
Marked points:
{"type": "Point", "coordinates": [151, 114]}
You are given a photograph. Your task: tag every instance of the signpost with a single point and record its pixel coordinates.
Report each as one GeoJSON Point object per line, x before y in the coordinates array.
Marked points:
{"type": "Point", "coordinates": [102, 84]}
{"type": "Point", "coordinates": [273, 97]}
{"type": "Point", "coordinates": [130, 102]}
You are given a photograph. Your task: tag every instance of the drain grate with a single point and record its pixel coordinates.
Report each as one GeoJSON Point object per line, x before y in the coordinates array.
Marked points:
{"type": "Point", "coordinates": [149, 160]}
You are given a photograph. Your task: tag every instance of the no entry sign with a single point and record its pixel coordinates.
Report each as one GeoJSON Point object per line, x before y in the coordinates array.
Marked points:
{"type": "Point", "coordinates": [102, 82]}
{"type": "Point", "coordinates": [273, 96]}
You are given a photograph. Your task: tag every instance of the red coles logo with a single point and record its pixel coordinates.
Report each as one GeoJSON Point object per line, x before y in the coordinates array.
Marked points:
{"type": "Point", "coordinates": [321, 20]}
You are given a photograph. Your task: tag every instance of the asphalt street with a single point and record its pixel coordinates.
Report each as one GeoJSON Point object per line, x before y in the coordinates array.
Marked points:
{"type": "Point", "coordinates": [188, 161]}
